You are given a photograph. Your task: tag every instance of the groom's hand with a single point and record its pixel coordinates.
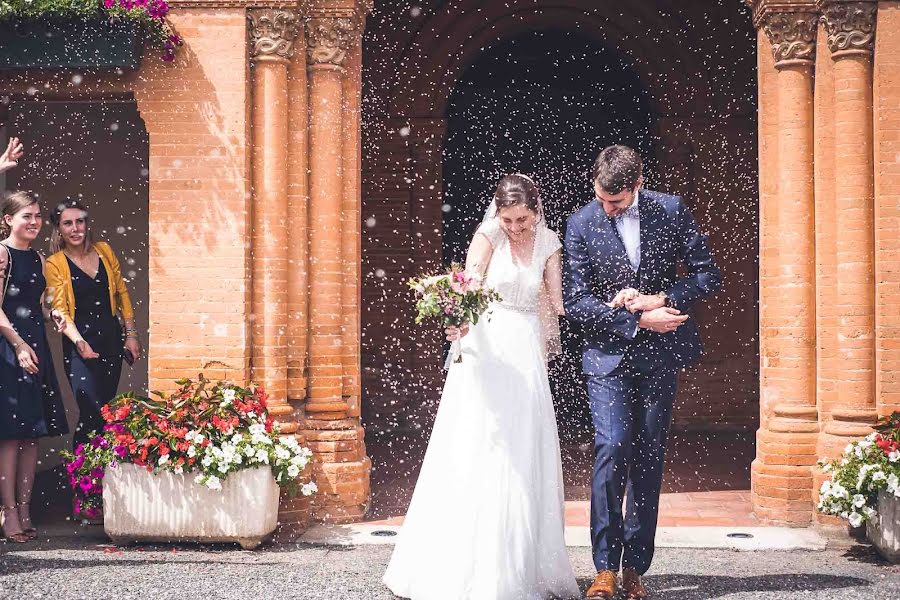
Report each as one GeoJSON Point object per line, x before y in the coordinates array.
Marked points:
{"type": "Point", "coordinates": [645, 302]}
{"type": "Point", "coordinates": [662, 320]}
{"type": "Point", "coordinates": [455, 333]}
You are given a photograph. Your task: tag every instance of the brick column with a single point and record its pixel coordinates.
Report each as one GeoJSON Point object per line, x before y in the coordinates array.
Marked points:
{"type": "Point", "coordinates": [851, 34]}
{"type": "Point", "coordinates": [298, 220]}
{"type": "Point", "coordinates": [332, 427]}
{"type": "Point", "coordinates": [786, 441]}
{"type": "Point", "coordinates": [271, 36]}
{"type": "Point", "coordinates": [327, 41]}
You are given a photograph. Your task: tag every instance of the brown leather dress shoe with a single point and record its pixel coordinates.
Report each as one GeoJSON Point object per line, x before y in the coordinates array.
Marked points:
{"type": "Point", "coordinates": [632, 586]}
{"type": "Point", "coordinates": [605, 586]}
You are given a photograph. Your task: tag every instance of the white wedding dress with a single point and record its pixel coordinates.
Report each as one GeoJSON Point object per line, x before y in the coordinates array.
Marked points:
{"type": "Point", "coordinates": [486, 520]}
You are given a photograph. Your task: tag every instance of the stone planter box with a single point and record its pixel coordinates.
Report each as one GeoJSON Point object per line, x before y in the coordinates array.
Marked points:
{"type": "Point", "coordinates": [140, 506]}
{"type": "Point", "coordinates": [70, 44]}
{"type": "Point", "coordinates": [884, 530]}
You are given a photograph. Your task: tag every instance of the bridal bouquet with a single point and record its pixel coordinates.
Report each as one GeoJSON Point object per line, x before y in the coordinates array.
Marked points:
{"type": "Point", "coordinates": [454, 298]}
{"type": "Point", "coordinates": [865, 468]}
{"type": "Point", "coordinates": [204, 428]}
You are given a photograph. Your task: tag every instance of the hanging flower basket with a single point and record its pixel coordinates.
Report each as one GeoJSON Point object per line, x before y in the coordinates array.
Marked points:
{"type": "Point", "coordinates": [82, 34]}
{"type": "Point", "coordinates": [70, 44]}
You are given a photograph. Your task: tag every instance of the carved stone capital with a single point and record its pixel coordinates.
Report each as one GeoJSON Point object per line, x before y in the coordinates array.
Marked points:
{"type": "Point", "coordinates": [327, 40]}
{"type": "Point", "coordinates": [272, 33]}
{"type": "Point", "coordinates": [850, 26]}
{"type": "Point", "coordinates": [793, 37]}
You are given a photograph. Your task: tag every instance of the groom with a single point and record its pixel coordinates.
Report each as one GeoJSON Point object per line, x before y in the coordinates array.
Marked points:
{"type": "Point", "coordinates": [622, 286]}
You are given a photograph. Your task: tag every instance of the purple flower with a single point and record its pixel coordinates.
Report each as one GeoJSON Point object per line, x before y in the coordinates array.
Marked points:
{"type": "Point", "coordinates": [115, 427]}
{"type": "Point", "coordinates": [70, 468]}
{"type": "Point", "coordinates": [157, 9]}
{"type": "Point", "coordinates": [120, 451]}
{"type": "Point", "coordinates": [79, 449]}
{"type": "Point", "coordinates": [98, 441]}
{"type": "Point", "coordinates": [85, 483]}
{"type": "Point", "coordinates": [97, 473]}
{"type": "Point", "coordinates": [109, 3]}
{"type": "Point", "coordinates": [77, 463]}
{"type": "Point", "coordinates": [77, 505]}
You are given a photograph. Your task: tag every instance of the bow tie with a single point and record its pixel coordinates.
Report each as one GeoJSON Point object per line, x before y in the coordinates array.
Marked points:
{"type": "Point", "coordinates": [632, 212]}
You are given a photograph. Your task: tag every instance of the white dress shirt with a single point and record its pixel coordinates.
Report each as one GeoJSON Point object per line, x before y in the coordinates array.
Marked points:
{"type": "Point", "coordinates": [628, 225]}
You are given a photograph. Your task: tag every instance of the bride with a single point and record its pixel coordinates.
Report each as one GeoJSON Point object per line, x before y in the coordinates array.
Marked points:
{"type": "Point", "coordinates": [486, 520]}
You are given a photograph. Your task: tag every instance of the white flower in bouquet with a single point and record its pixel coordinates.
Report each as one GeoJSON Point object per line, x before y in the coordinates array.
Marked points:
{"type": "Point", "coordinates": [308, 489]}
{"type": "Point", "coordinates": [859, 500]}
{"type": "Point", "coordinates": [192, 451]}
{"type": "Point", "coordinates": [282, 453]}
{"type": "Point", "coordinates": [894, 456]}
{"type": "Point", "coordinates": [855, 519]}
{"type": "Point", "coordinates": [237, 438]}
{"type": "Point", "coordinates": [249, 451]}
{"type": "Point", "coordinates": [878, 476]}
{"type": "Point", "coordinates": [262, 456]}
{"type": "Point", "coordinates": [214, 483]}
{"type": "Point", "coordinates": [293, 471]}
{"type": "Point", "coordinates": [163, 459]}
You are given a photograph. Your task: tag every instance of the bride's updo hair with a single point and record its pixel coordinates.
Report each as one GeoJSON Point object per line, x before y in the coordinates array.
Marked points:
{"type": "Point", "coordinates": [516, 189]}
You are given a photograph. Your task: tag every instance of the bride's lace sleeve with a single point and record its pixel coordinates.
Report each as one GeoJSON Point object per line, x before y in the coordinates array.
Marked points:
{"type": "Point", "coordinates": [492, 231]}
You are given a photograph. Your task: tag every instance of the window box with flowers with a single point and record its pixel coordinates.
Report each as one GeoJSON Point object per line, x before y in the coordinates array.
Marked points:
{"type": "Point", "coordinates": [82, 34]}
{"type": "Point", "coordinates": [203, 464]}
{"type": "Point", "coordinates": [864, 486]}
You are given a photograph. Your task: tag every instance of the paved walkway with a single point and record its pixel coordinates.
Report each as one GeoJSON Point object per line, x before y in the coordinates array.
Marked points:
{"type": "Point", "coordinates": [77, 562]}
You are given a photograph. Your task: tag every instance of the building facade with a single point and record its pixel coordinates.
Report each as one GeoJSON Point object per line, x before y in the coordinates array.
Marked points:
{"type": "Point", "coordinates": [295, 176]}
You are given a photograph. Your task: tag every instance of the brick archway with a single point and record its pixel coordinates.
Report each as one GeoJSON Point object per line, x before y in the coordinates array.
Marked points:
{"type": "Point", "coordinates": [705, 122]}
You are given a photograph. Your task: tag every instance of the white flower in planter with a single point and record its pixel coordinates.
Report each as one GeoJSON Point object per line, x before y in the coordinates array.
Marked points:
{"type": "Point", "coordinates": [308, 489]}
{"type": "Point", "coordinates": [228, 397]}
{"type": "Point", "coordinates": [293, 471]}
{"type": "Point", "coordinates": [214, 483]}
{"type": "Point", "coordinates": [163, 459]}
{"type": "Point", "coordinates": [859, 501]}
{"type": "Point", "coordinates": [855, 519]}
{"type": "Point", "coordinates": [262, 456]}
{"type": "Point", "coordinates": [894, 456]}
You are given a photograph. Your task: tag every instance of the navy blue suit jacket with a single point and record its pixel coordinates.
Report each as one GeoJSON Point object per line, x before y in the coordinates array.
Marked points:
{"type": "Point", "coordinates": [597, 268]}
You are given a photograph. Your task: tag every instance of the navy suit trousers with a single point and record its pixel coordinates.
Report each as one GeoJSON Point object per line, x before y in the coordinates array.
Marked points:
{"type": "Point", "coordinates": [631, 409]}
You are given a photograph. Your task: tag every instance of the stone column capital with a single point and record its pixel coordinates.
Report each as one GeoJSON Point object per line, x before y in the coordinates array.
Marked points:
{"type": "Point", "coordinates": [850, 26]}
{"type": "Point", "coordinates": [328, 39]}
{"type": "Point", "coordinates": [272, 33]}
{"type": "Point", "coordinates": [793, 37]}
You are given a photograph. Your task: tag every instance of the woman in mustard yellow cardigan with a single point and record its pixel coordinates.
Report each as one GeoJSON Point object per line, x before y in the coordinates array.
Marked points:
{"type": "Point", "coordinates": [84, 283]}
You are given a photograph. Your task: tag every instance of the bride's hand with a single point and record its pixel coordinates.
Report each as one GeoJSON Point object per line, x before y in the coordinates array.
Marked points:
{"type": "Point", "coordinates": [622, 297]}
{"type": "Point", "coordinates": [455, 333]}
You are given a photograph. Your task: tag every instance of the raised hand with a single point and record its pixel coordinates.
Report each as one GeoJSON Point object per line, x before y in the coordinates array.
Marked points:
{"type": "Point", "coordinates": [12, 154]}
{"type": "Point", "coordinates": [662, 320]}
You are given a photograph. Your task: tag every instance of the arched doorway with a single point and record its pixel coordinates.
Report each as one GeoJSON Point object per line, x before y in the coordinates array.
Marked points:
{"type": "Point", "coordinates": [541, 103]}
{"type": "Point", "coordinates": [686, 99]}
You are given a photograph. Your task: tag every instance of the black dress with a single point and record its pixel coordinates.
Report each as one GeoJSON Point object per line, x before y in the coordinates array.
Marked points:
{"type": "Point", "coordinates": [94, 381]}
{"type": "Point", "coordinates": [30, 405]}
